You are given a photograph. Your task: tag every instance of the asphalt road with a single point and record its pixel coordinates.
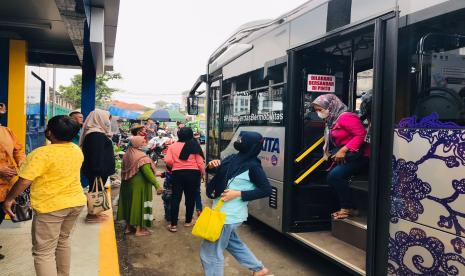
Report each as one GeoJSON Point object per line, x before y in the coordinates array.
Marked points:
{"type": "Point", "coordinates": [166, 253]}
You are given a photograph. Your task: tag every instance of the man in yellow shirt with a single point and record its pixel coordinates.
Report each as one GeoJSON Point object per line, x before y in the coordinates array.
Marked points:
{"type": "Point", "coordinates": [53, 173]}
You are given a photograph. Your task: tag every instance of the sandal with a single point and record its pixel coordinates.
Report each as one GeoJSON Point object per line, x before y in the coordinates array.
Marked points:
{"type": "Point", "coordinates": [188, 224]}
{"type": "Point", "coordinates": [343, 215]}
{"type": "Point", "coordinates": [143, 234]}
{"type": "Point", "coordinates": [262, 272]}
{"type": "Point", "coordinates": [172, 229]}
{"type": "Point", "coordinates": [335, 214]}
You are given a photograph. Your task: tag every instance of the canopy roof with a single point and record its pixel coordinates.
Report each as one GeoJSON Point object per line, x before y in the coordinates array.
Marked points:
{"type": "Point", "coordinates": [164, 115]}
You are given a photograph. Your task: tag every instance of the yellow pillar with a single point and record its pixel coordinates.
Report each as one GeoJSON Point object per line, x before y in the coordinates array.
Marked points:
{"type": "Point", "coordinates": [17, 89]}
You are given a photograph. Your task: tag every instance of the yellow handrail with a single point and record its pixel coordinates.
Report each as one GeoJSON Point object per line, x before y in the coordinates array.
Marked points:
{"type": "Point", "coordinates": [309, 171]}
{"type": "Point", "coordinates": [310, 149]}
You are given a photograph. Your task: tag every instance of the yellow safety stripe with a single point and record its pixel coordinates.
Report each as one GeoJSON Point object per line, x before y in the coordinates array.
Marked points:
{"type": "Point", "coordinates": [309, 171]}
{"type": "Point", "coordinates": [310, 149]}
{"type": "Point", "coordinates": [108, 259]}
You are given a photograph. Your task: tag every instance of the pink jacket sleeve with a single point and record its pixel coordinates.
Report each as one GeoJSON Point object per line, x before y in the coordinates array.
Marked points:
{"type": "Point", "coordinates": [352, 124]}
{"type": "Point", "coordinates": [200, 163]}
{"type": "Point", "coordinates": [169, 157]}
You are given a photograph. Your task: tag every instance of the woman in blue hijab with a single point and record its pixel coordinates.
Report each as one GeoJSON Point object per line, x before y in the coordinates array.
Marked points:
{"type": "Point", "coordinates": [239, 179]}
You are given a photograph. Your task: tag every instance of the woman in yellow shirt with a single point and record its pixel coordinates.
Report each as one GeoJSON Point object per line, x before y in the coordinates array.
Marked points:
{"type": "Point", "coordinates": [53, 173]}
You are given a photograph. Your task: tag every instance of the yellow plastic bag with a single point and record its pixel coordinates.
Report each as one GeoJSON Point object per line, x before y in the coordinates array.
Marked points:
{"type": "Point", "coordinates": [210, 223]}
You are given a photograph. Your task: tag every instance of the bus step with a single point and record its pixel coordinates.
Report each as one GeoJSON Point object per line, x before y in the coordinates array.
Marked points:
{"type": "Point", "coordinates": [351, 230]}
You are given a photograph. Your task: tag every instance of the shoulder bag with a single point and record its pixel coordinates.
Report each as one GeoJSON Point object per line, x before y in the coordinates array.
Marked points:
{"type": "Point", "coordinates": [97, 199]}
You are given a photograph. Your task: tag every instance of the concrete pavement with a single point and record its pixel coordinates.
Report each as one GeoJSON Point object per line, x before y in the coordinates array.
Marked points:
{"type": "Point", "coordinates": [93, 249]}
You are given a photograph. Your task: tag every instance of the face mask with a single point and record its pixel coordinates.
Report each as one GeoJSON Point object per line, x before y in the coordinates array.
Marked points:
{"type": "Point", "coordinates": [323, 114]}
{"type": "Point", "coordinates": [239, 146]}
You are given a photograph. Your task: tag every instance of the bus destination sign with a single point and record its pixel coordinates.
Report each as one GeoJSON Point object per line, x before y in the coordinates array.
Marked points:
{"type": "Point", "coordinates": [321, 83]}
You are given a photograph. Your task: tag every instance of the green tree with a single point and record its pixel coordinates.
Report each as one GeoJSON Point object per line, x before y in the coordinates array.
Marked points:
{"type": "Point", "coordinates": [103, 93]}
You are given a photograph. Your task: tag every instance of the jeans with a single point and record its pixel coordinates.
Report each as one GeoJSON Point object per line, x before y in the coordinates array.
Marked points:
{"type": "Point", "coordinates": [211, 253]}
{"type": "Point", "coordinates": [51, 245]}
{"type": "Point", "coordinates": [338, 177]}
{"type": "Point", "coordinates": [187, 182]}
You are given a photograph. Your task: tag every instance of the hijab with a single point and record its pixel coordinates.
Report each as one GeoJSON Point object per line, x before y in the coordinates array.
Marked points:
{"type": "Point", "coordinates": [191, 146]}
{"type": "Point", "coordinates": [97, 121]}
{"type": "Point", "coordinates": [249, 145]}
{"type": "Point", "coordinates": [336, 108]}
{"type": "Point", "coordinates": [134, 158]}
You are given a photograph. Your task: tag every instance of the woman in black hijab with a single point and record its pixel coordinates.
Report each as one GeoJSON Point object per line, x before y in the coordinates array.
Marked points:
{"type": "Point", "coordinates": [239, 179]}
{"type": "Point", "coordinates": [186, 160]}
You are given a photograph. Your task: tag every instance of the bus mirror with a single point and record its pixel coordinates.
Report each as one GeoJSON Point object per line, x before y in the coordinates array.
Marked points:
{"type": "Point", "coordinates": [193, 105]}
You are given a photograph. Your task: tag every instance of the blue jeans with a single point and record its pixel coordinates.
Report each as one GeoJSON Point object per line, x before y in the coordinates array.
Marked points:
{"type": "Point", "coordinates": [211, 253]}
{"type": "Point", "coordinates": [338, 177]}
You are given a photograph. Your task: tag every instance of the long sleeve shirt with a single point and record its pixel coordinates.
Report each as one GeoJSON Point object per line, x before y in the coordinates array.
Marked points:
{"type": "Point", "coordinates": [349, 131]}
{"type": "Point", "coordinates": [10, 150]}
{"type": "Point", "coordinates": [99, 157]}
{"type": "Point", "coordinates": [194, 162]}
{"type": "Point", "coordinates": [256, 175]}
{"type": "Point", "coordinates": [253, 184]}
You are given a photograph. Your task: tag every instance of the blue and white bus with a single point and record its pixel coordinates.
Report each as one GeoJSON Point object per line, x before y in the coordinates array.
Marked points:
{"type": "Point", "coordinates": [411, 199]}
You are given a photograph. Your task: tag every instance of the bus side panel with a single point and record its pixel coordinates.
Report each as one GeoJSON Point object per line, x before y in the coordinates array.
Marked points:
{"type": "Point", "coordinates": [427, 200]}
{"type": "Point", "coordinates": [270, 210]}
{"type": "Point", "coordinates": [410, 6]}
{"type": "Point", "coordinates": [308, 26]}
{"type": "Point", "coordinates": [363, 9]}
{"type": "Point", "coordinates": [272, 155]}
{"type": "Point", "coordinates": [265, 48]}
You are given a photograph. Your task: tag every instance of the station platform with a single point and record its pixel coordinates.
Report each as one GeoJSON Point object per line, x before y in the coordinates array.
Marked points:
{"type": "Point", "coordinates": [93, 248]}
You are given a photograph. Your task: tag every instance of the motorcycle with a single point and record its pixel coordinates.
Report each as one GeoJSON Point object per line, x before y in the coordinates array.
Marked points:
{"type": "Point", "coordinates": [158, 147]}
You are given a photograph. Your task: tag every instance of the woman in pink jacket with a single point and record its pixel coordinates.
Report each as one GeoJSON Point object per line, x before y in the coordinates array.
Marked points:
{"type": "Point", "coordinates": [186, 160]}
{"type": "Point", "coordinates": [344, 146]}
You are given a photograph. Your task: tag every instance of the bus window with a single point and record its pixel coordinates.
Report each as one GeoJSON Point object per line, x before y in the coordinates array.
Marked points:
{"type": "Point", "coordinates": [431, 71]}
{"type": "Point", "coordinates": [213, 119]}
{"type": "Point", "coordinates": [364, 84]}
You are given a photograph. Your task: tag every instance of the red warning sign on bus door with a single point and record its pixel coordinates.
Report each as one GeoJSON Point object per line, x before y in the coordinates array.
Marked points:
{"type": "Point", "coordinates": [321, 83]}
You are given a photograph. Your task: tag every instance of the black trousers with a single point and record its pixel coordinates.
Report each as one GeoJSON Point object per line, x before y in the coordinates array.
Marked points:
{"type": "Point", "coordinates": [187, 181]}
{"type": "Point", "coordinates": [2, 214]}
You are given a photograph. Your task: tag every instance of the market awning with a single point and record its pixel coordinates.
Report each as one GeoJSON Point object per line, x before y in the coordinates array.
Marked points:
{"type": "Point", "coordinates": [128, 114]}
{"type": "Point", "coordinates": [164, 115]}
{"type": "Point", "coordinates": [146, 114]}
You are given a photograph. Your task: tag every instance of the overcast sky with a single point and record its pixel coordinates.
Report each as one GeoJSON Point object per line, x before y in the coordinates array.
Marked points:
{"type": "Point", "coordinates": [163, 46]}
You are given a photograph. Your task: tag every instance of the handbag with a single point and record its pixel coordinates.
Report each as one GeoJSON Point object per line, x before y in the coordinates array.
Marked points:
{"type": "Point", "coordinates": [210, 223]}
{"type": "Point", "coordinates": [97, 200]}
{"type": "Point", "coordinates": [22, 209]}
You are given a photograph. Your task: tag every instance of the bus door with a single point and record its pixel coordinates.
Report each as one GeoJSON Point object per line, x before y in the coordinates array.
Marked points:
{"type": "Point", "coordinates": [428, 156]}
{"type": "Point", "coordinates": [342, 66]}
{"type": "Point", "coordinates": [314, 199]}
